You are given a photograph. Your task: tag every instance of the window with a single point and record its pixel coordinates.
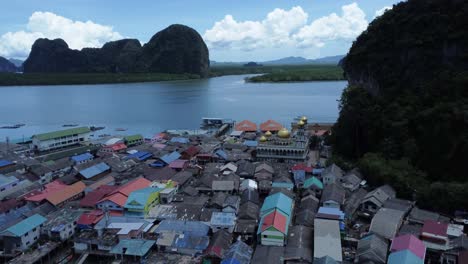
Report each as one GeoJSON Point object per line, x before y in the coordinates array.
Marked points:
{"type": "Point", "coordinates": [1, 190]}
{"type": "Point", "coordinates": [27, 233]}
{"type": "Point", "coordinates": [35, 238]}
{"type": "Point", "coordinates": [34, 229]}
{"type": "Point", "coordinates": [27, 243]}
{"type": "Point", "coordinates": [14, 184]}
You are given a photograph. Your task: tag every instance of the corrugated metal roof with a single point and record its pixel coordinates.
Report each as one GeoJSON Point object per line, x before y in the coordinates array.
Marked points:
{"type": "Point", "coordinates": [180, 140]}
{"type": "Point", "coordinates": [133, 247]}
{"type": "Point", "coordinates": [66, 193]}
{"type": "Point", "coordinates": [275, 219]}
{"type": "Point", "coordinates": [137, 199]}
{"type": "Point", "coordinates": [82, 157]}
{"type": "Point", "coordinates": [404, 257]}
{"type": "Point", "coordinates": [168, 158]}
{"type": "Point", "coordinates": [140, 155]}
{"type": "Point", "coordinates": [277, 200]}
{"type": "Point", "coordinates": [409, 242]}
{"type": "Point", "coordinates": [327, 240]}
{"type": "Point", "coordinates": [62, 133]}
{"type": "Point", "coordinates": [246, 125]}
{"type": "Point", "coordinates": [26, 225]}
{"type": "Point", "coordinates": [270, 125]}
{"type": "Point", "coordinates": [95, 170]}
{"type": "Point", "coordinates": [133, 138]}
{"type": "Point", "coordinates": [223, 219]}
{"type": "Point", "coordinates": [4, 163]}
{"type": "Point", "coordinates": [195, 228]}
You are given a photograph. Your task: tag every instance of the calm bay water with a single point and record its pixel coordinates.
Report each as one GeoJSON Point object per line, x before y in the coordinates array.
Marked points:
{"type": "Point", "coordinates": [148, 108]}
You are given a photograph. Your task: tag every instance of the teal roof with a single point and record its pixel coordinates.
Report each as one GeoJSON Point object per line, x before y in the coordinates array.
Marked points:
{"type": "Point", "coordinates": [26, 225]}
{"type": "Point", "coordinates": [62, 133]}
{"type": "Point", "coordinates": [4, 180]}
{"type": "Point", "coordinates": [133, 247]}
{"type": "Point", "coordinates": [277, 200]}
{"type": "Point", "coordinates": [137, 199]}
{"type": "Point", "coordinates": [404, 257]}
{"type": "Point", "coordinates": [313, 181]}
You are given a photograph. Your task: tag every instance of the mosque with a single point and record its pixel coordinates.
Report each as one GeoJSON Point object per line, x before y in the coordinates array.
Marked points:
{"type": "Point", "coordinates": [285, 145]}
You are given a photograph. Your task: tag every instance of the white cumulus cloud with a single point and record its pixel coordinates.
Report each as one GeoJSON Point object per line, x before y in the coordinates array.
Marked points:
{"type": "Point", "coordinates": [382, 11]}
{"type": "Point", "coordinates": [77, 34]}
{"type": "Point", "coordinates": [276, 29]}
{"type": "Point", "coordinates": [287, 27]}
{"type": "Point", "coordinates": [348, 26]}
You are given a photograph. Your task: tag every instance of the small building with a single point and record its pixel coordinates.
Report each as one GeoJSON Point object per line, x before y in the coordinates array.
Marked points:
{"type": "Point", "coordinates": [333, 196]}
{"type": "Point", "coordinates": [95, 171]}
{"type": "Point", "coordinates": [219, 245]}
{"type": "Point", "coordinates": [184, 237]}
{"type": "Point", "coordinates": [8, 182]}
{"type": "Point", "coordinates": [411, 243]}
{"type": "Point", "coordinates": [223, 221]}
{"type": "Point", "coordinates": [278, 201]}
{"type": "Point", "coordinates": [139, 156]}
{"type": "Point", "coordinates": [352, 180]}
{"type": "Point", "coordinates": [231, 204]}
{"type": "Point", "coordinates": [404, 257]}
{"type": "Point", "coordinates": [434, 234]}
{"type": "Point", "coordinates": [386, 222]}
{"type": "Point", "coordinates": [133, 140]}
{"type": "Point", "coordinates": [82, 158]}
{"type": "Point", "coordinates": [114, 148]}
{"type": "Point", "coordinates": [179, 164]}
{"type": "Point", "coordinates": [332, 174]}
{"type": "Point", "coordinates": [139, 248]}
{"type": "Point", "coordinates": [327, 240]}
{"type": "Point", "coordinates": [139, 202]}
{"type": "Point", "coordinates": [22, 235]}
{"type": "Point", "coordinates": [61, 224]}
{"type": "Point", "coordinates": [314, 185]}
{"type": "Point", "coordinates": [238, 253]}
{"type": "Point", "coordinates": [115, 201]}
{"type": "Point", "coordinates": [273, 228]}
{"type": "Point", "coordinates": [375, 199]}
{"type": "Point", "coordinates": [60, 139]}
{"type": "Point", "coordinates": [372, 249]}
{"type": "Point", "coordinates": [300, 244]}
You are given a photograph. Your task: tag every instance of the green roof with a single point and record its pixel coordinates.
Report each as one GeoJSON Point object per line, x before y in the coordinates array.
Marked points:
{"type": "Point", "coordinates": [313, 181]}
{"type": "Point", "coordinates": [62, 133]}
{"type": "Point", "coordinates": [134, 137]}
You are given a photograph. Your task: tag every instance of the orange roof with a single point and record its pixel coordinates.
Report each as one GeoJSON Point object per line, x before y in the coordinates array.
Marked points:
{"type": "Point", "coordinates": [270, 125]}
{"type": "Point", "coordinates": [134, 185]}
{"type": "Point", "coordinates": [50, 188]}
{"type": "Point", "coordinates": [246, 125]}
{"type": "Point", "coordinates": [116, 198]}
{"type": "Point", "coordinates": [66, 193]}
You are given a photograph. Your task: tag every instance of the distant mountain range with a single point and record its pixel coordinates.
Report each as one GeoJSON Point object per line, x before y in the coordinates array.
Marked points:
{"type": "Point", "coordinates": [290, 61]}
{"type": "Point", "coordinates": [16, 62]}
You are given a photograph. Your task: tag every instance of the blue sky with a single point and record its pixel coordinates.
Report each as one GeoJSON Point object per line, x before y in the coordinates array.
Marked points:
{"type": "Point", "coordinates": [233, 30]}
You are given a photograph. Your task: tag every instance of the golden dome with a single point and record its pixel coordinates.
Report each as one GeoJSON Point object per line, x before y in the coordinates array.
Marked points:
{"type": "Point", "coordinates": [268, 134]}
{"type": "Point", "coordinates": [304, 119]}
{"type": "Point", "coordinates": [263, 139]}
{"type": "Point", "coordinates": [283, 133]}
{"type": "Point", "coordinates": [301, 123]}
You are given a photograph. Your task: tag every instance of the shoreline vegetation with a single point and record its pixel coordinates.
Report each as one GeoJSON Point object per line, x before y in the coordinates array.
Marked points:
{"type": "Point", "coordinates": [276, 73]}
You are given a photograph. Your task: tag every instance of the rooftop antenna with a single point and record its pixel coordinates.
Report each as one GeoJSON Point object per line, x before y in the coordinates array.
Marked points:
{"type": "Point", "coordinates": [7, 144]}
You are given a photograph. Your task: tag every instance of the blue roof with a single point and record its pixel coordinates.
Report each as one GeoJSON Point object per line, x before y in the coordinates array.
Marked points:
{"type": "Point", "coordinates": [317, 171]}
{"type": "Point", "coordinates": [137, 199]}
{"type": "Point", "coordinates": [168, 158]}
{"type": "Point", "coordinates": [222, 154]}
{"type": "Point", "coordinates": [191, 242]}
{"type": "Point", "coordinates": [140, 155]}
{"type": "Point", "coordinates": [404, 257]}
{"type": "Point", "coordinates": [26, 225]}
{"type": "Point", "coordinates": [277, 200]}
{"type": "Point", "coordinates": [157, 164]}
{"type": "Point", "coordinates": [331, 211]}
{"type": "Point", "coordinates": [180, 140]}
{"type": "Point", "coordinates": [223, 218]}
{"type": "Point", "coordinates": [251, 143]}
{"type": "Point", "coordinates": [238, 253]}
{"type": "Point", "coordinates": [133, 247]}
{"type": "Point", "coordinates": [195, 228]}
{"type": "Point", "coordinates": [95, 170]}
{"type": "Point", "coordinates": [82, 157]}
{"type": "Point", "coordinates": [4, 163]}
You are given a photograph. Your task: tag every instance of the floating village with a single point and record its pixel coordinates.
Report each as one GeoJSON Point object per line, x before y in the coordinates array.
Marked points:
{"type": "Point", "coordinates": [230, 193]}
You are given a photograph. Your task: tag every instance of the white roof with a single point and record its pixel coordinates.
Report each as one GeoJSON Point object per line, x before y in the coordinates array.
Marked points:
{"type": "Point", "coordinates": [113, 141]}
{"type": "Point", "coordinates": [455, 230]}
{"type": "Point", "coordinates": [230, 166]}
{"type": "Point", "coordinates": [125, 228]}
{"type": "Point", "coordinates": [327, 240]}
{"type": "Point", "coordinates": [236, 133]}
{"type": "Point", "coordinates": [248, 184]}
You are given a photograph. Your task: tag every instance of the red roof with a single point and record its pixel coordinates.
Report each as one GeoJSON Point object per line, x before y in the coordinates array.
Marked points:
{"type": "Point", "coordinates": [178, 164]}
{"type": "Point", "coordinates": [275, 219]}
{"type": "Point", "coordinates": [409, 242]}
{"type": "Point", "coordinates": [270, 125]}
{"type": "Point", "coordinates": [92, 198]}
{"type": "Point", "coordinates": [118, 146]}
{"type": "Point", "coordinates": [192, 151]}
{"type": "Point", "coordinates": [435, 228]}
{"type": "Point", "coordinates": [247, 126]}
{"type": "Point", "coordinates": [50, 188]}
{"type": "Point", "coordinates": [117, 198]}
{"type": "Point", "coordinates": [301, 166]}
{"type": "Point", "coordinates": [90, 218]}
